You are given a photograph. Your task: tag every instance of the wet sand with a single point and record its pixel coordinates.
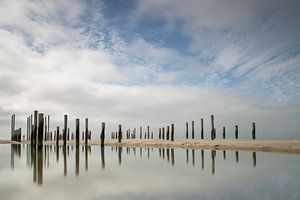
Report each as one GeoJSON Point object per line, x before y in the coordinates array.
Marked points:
{"type": "Point", "coordinates": [283, 146]}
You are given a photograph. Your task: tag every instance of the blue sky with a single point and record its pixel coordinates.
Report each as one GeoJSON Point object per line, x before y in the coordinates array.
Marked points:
{"type": "Point", "coordinates": [239, 59]}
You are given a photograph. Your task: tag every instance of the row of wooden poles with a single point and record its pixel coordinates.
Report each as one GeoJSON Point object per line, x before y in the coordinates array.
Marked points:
{"type": "Point", "coordinates": [38, 131]}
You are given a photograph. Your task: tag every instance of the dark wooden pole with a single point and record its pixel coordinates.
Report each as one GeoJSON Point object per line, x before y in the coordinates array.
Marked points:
{"type": "Point", "coordinates": [77, 132]}
{"type": "Point", "coordinates": [86, 130]}
{"type": "Point", "coordinates": [236, 132]}
{"type": "Point", "coordinates": [148, 132]}
{"type": "Point", "coordinates": [41, 130]}
{"type": "Point", "coordinates": [172, 132]}
{"type": "Point", "coordinates": [159, 133]}
{"type": "Point", "coordinates": [212, 127]}
{"type": "Point", "coordinates": [57, 136]}
{"type": "Point", "coordinates": [224, 132]}
{"type": "Point", "coordinates": [168, 132]}
{"type": "Point", "coordinates": [13, 126]}
{"type": "Point", "coordinates": [187, 130]}
{"type": "Point", "coordinates": [120, 133]}
{"type": "Point", "coordinates": [193, 130]}
{"type": "Point", "coordinates": [202, 129]}
{"type": "Point", "coordinates": [102, 136]}
{"type": "Point", "coordinates": [65, 129]}
{"type": "Point", "coordinates": [253, 131]}
{"type": "Point", "coordinates": [163, 133]}
{"type": "Point", "coordinates": [48, 126]}
{"type": "Point", "coordinates": [31, 128]}
{"type": "Point", "coordinates": [35, 127]}
{"type": "Point", "coordinates": [45, 124]}
{"type": "Point", "coordinates": [141, 132]}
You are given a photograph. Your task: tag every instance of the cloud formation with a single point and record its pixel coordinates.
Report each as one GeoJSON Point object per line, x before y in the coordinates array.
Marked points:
{"type": "Point", "coordinates": [237, 60]}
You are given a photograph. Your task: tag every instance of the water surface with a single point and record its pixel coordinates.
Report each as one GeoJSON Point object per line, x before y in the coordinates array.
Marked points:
{"type": "Point", "coordinates": [92, 172]}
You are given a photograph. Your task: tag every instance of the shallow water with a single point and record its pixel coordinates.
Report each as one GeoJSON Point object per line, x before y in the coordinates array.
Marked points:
{"type": "Point", "coordinates": [145, 173]}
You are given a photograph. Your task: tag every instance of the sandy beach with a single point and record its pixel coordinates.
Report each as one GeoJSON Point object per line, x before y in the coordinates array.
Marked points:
{"type": "Point", "coordinates": [283, 146]}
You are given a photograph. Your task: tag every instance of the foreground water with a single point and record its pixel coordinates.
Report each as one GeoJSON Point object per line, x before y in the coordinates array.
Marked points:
{"type": "Point", "coordinates": [145, 173]}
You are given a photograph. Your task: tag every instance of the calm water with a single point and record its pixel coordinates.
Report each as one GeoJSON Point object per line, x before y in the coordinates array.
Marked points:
{"type": "Point", "coordinates": [145, 173]}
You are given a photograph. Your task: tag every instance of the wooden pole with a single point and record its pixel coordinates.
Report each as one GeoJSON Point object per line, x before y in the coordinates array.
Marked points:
{"type": "Point", "coordinates": [202, 129]}
{"type": "Point", "coordinates": [163, 133]}
{"type": "Point", "coordinates": [253, 131]}
{"type": "Point", "coordinates": [45, 124]}
{"type": "Point", "coordinates": [212, 127]}
{"type": "Point", "coordinates": [35, 127]}
{"type": "Point", "coordinates": [41, 130]}
{"type": "Point", "coordinates": [13, 126]}
{"type": "Point", "coordinates": [86, 130]}
{"type": "Point", "coordinates": [77, 132]}
{"type": "Point", "coordinates": [148, 132]}
{"type": "Point", "coordinates": [168, 132]}
{"type": "Point", "coordinates": [120, 133]}
{"type": "Point", "coordinates": [31, 128]}
{"type": "Point", "coordinates": [57, 136]}
{"type": "Point", "coordinates": [236, 132]}
{"type": "Point", "coordinates": [159, 133]}
{"type": "Point", "coordinates": [102, 136]}
{"type": "Point", "coordinates": [48, 126]}
{"type": "Point", "coordinates": [187, 130]}
{"type": "Point", "coordinates": [172, 132]}
{"type": "Point", "coordinates": [141, 132]}
{"type": "Point", "coordinates": [193, 130]}
{"type": "Point", "coordinates": [224, 132]}
{"type": "Point", "coordinates": [65, 129]}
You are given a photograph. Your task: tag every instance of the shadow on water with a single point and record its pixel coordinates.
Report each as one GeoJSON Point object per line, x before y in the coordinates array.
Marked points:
{"type": "Point", "coordinates": [39, 158]}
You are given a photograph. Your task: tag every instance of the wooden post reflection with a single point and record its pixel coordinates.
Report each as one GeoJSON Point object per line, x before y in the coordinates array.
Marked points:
{"type": "Point", "coordinates": [102, 149]}
{"type": "Point", "coordinates": [224, 155]}
{"type": "Point", "coordinates": [86, 158]}
{"type": "Point", "coordinates": [77, 158]}
{"type": "Point", "coordinates": [213, 154]}
{"type": "Point", "coordinates": [65, 159]}
{"type": "Point", "coordinates": [237, 156]}
{"type": "Point", "coordinates": [120, 155]}
{"type": "Point", "coordinates": [172, 157]}
{"type": "Point", "coordinates": [193, 157]}
{"type": "Point", "coordinates": [40, 166]}
{"type": "Point", "coordinates": [168, 154]}
{"type": "Point", "coordinates": [254, 159]}
{"type": "Point", "coordinates": [187, 156]}
{"type": "Point", "coordinates": [202, 158]}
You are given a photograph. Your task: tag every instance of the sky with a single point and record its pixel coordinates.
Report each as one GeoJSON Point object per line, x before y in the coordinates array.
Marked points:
{"type": "Point", "coordinates": [158, 62]}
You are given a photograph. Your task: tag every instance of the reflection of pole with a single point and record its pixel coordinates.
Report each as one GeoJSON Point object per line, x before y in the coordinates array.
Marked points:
{"type": "Point", "coordinates": [187, 156]}
{"type": "Point", "coordinates": [254, 158]}
{"type": "Point", "coordinates": [120, 155]}
{"type": "Point", "coordinates": [40, 166]}
{"type": "Point", "coordinates": [102, 157]}
{"type": "Point", "coordinates": [237, 156]}
{"type": "Point", "coordinates": [193, 157]}
{"type": "Point", "coordinates": [224, 155]}
{"type": "Point", "coordinates": [65, 159]}
{"type": "Point", "coordinates": [213, 152]}
{"type": "Point", "coordinates": [172, 157]}
{"type": "Point", "coordinates": [33, 161]}
{"type": "Point", "coordinates": [202, 158]}
{"type": "Point", "coordinates": [77, 159]}
{"type": "Point", "coordinates": [86, 158]}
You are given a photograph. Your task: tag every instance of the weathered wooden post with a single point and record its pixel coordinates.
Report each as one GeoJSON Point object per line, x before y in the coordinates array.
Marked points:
{"type": "Point", "coordinates": [159, 133]}
{"type": "Point", "coordinates": [48, 126]}
{"type": "Point", "coordinates": [120, 133]}
{"type": "Point", "coordinates": [202, 129]}
{"type": "Point", "coordinates": [148, 132]}
{"type": "Point", "coordinates": [141, 132]}
{"type": "Point", "coordinates": [57, 136]}
{"type": "Point", "coordinates": [168, 132]}
{"type": "Point", "coordinates": [86, 130]}
{"type": "Point", "coordinates": [172, 132]}
{"type": "Point", "coordinates": [187, 130]}
{"type": "Point", "coordinates": [65, 129]}
{"type": "Point", "coordinates": [68, 137]}
{"type": "Point", "coordinates": [77, 132]}
{"type": "Point", "coordinates": [151, 134]}
{"type": "Point", "coordinates": [212, 127]}
{"type": "Point", "coordinates": [224, 132]}
{"type": "Point", "coordinates": [45, 125]}
{"type": "Point", "coordinates": [102, 136]}
{"type": "Point", "coordinates": [163, 133]}
{"type": "Point", "coordinates": [27, 129]}
{"type": "Point", "coordinates": [35, 127]}
{"type": "Point", "coordinates": [193, 130]}
{"type": "Point", "coordinates": [253, 131]}
{"type": "Point", "coordinates": [13, 126]}
{"type": "Point", "coordinates": [236, 132]}
{"type": "Point", "coordinates": [41, 130]}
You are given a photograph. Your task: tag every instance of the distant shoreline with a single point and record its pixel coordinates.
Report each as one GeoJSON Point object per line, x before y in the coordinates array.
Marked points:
{"type": "Point", "coordinates": [279, 146]}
